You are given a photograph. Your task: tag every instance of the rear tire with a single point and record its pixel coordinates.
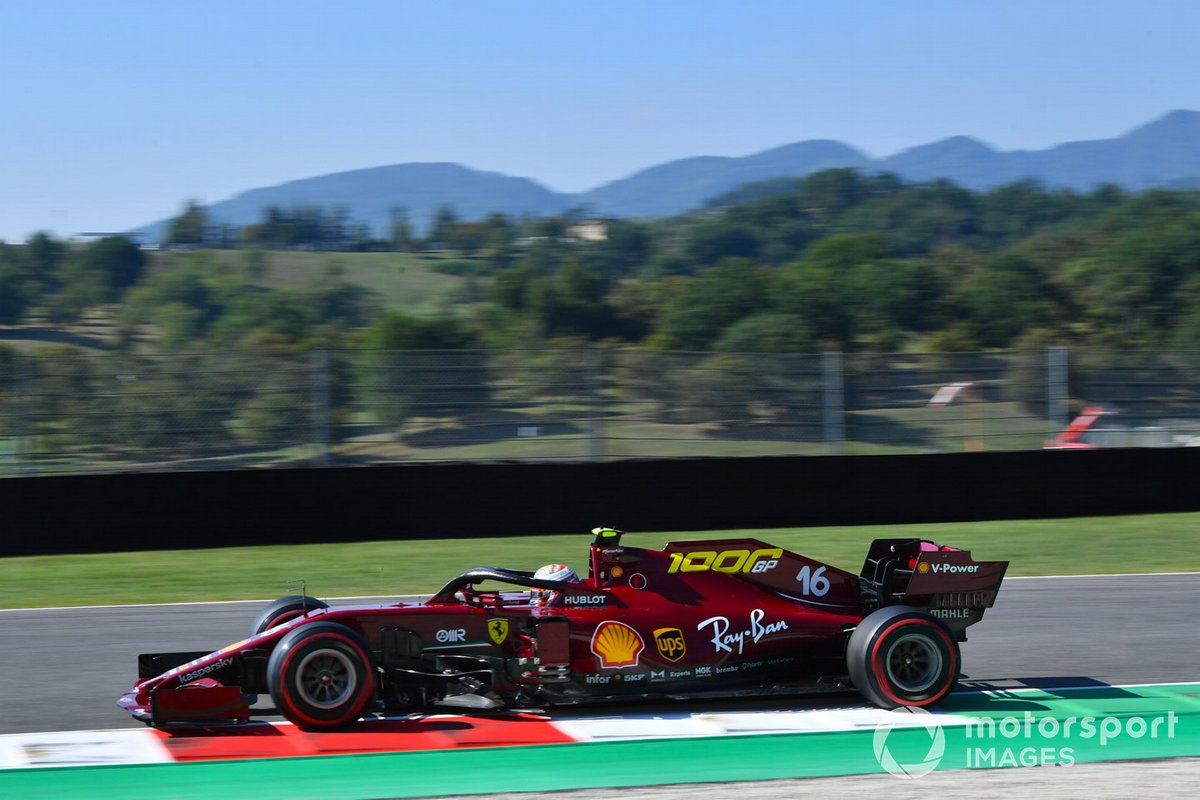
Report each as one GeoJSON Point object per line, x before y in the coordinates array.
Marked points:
{"type": "Point", "coordinates": [282, 610]}
{"type": "Point", "coordinates": [902, 656]}
{"type": "Point", "coordinates": [321, 676]}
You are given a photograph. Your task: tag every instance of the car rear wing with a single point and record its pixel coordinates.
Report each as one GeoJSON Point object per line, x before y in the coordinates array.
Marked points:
{"type": "Point", "coordinates": [945, 581]}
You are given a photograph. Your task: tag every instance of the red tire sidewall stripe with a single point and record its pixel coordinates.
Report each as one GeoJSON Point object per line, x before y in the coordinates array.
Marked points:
{"type": "Point", "coordinates": [284, 683]}
{"type": "Point", "coordinates": [283, 618]}
{"type": "Point", "coordinates": [880, 674]}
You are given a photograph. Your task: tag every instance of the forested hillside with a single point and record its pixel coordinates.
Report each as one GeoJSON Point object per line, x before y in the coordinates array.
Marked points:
{"type": "Point", "coordinates": [837, 260]}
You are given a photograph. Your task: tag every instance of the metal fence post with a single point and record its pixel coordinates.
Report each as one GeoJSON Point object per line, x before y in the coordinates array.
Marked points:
{"type": "Point", "coordinates": [594, 444]}
{"type": "Point", "coordinates": [22, 426]}
{"type": "Point", "coordinates": [320, 413]}
{"type": "Point", "coordinates": [1057, 390]}
{"type": "Point", "coordinates": [834, 403]}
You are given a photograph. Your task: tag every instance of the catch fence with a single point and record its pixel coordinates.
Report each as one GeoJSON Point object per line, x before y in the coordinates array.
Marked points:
{"type": "Point", "coordinates": [75, 412]}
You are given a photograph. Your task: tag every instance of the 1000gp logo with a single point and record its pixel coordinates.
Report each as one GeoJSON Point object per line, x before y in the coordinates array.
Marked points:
{"type": "Point", "coordinates": [730, 561]}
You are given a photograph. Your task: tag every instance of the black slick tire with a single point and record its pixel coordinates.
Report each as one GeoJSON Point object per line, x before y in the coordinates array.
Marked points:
{"type": "Point", "coordinates": [282, 610]}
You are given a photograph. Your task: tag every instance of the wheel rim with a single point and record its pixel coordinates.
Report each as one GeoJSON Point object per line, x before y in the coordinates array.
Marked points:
{"type": "Point", "coordinates": [326, 678]}
{"type": "Point", "coordinates": [914, 663]}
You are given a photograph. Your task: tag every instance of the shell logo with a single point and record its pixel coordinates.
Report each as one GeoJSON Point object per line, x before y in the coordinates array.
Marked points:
{"type": "Point", "coordinates": [617, 645]}
{"type": "Point", "coordinates": [922, 567]}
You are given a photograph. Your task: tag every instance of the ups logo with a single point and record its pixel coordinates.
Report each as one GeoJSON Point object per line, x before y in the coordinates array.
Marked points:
{"type": "Point", "coordinates": [669, 642]}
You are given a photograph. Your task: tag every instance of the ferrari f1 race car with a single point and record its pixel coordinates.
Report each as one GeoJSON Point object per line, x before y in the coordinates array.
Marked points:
{"type": "Point", "coordinates": [695, 619]}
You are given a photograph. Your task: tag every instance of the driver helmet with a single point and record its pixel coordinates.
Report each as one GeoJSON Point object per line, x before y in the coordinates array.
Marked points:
{"type": "Point", "coordinates": [552, 572]}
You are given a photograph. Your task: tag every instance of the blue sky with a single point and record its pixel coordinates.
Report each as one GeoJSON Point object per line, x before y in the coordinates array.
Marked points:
{"type": "Point", "coordinates": [112, 114]}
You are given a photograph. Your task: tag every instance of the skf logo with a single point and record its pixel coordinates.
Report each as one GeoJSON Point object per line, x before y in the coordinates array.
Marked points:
{"type": "Point", "coordinates": [498, 630]}
{"type": "Point", "coordinates": [670, 644]}
{"type": "Point", "coordinates": [617, 645]}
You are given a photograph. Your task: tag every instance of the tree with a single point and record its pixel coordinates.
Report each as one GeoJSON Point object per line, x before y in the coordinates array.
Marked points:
{"type": "Point", "coordinates": [893, 295]}
{"type": "Point", "coordinates": [45, 256]}
{"type": "Point", "coordinates": [712, 241]}
{"type": "Point", "coordinates": [180, 326]}
{"type": "Point", "coordinates": [820, 287]}
{"type": "Point", "coordinates": [572, 304]}
{"type": "Point", "coordinates": [405, 370]}
{"type": "Point", "coordinates": [717, 298]}
{"type": "Point", "coordinates": [401, 230]}
{"type": "Point", "coordinates": [13, 299]}
{"type": "Point", "coordinates": [1004, 300]}
{"type": "Point", "coordinates": [1012, 212]}
{"type": "Point", "coordinates": [254, 262]}
{"type": "Point", "coordinates": [498, 241]}
{"type": "Point", "coordinates": [512, 290]}
{"type": "Point", "coordinates": [190, 227]}
{"type": "Point", "coordinates": [399, 331]}
{"type": "Point", "coordinates": [625, 249]}
{"type": "Point", "coordinates": [116, 261]}
{"type": "Point", "coordinates": [1135, 284]}
{"type": "Point", "coordinates": [767, 332]}
{"type": "Point", "coordinates": [443, 229]}
{"type": "Point", "coordinates": [827, 194]}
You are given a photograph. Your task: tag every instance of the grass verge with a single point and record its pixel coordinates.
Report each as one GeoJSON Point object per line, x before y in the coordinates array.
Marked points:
{"type": "Point", "coordinates": [1151, 543]}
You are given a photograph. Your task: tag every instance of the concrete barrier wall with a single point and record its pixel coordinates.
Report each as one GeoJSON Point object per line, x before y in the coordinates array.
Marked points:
{"type": "Point", "coordinates": [99, 513]}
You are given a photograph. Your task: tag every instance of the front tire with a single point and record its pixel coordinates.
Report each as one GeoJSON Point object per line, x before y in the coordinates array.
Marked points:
{"type": "Point", "coordinates": [901, 656]}
{"type": "Point", "coordinates": [321, 676]}
{"type": "Point", "coordinates": [282, 610]}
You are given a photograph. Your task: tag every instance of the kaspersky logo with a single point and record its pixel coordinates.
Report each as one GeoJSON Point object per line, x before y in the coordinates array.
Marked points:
{"type": "Point", "coordinates": [909, 768]}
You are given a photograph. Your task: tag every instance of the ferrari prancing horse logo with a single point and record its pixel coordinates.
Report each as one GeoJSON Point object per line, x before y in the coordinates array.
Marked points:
{"type": "Point", "coordinates": [498, 630]}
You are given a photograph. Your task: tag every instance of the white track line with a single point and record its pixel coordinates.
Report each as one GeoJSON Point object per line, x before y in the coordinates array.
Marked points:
{"type": "Point", "coordinates": [366, 600]}
{"type": "Point", "coordinates": [1074, 688]}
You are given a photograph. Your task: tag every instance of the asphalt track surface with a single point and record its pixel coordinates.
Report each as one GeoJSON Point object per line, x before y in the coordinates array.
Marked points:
{"type": "Point", "coordinates": [63, 669]}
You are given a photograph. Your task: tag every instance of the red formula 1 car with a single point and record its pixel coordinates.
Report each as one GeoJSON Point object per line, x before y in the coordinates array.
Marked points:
{"type": "Point", "coordinates": [698, 618]}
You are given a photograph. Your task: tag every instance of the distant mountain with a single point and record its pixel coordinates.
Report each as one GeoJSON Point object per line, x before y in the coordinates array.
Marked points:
{"type": "Point", "coordinates": [966, 161]}
{"type": "Point", "coordinates": [1165, 152]}
{"type": "Point", "coordinates": [679, 186]}
{"type": "Point", "coordinates": [371, 193]}
{"type": "Point", "coordinates": [1156, 154]}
